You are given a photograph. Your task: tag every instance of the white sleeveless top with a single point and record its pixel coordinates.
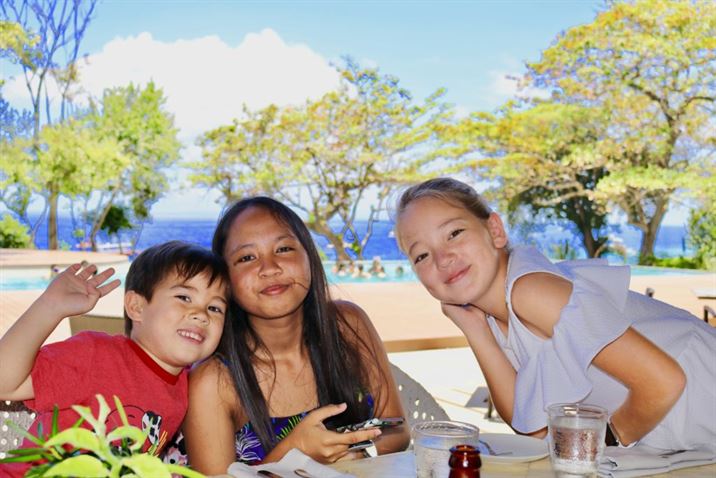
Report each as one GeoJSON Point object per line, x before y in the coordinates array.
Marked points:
{"type": "Point", "coordinates": [600, 309]}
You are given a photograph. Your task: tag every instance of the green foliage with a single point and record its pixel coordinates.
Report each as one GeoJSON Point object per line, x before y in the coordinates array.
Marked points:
{"type": "Point", "coordinates": [15, 44]}
{"type": "Point", "coordinates": [651, 65]}
{"type": "Point", "coordinates": [323, 157]}
{"type": "Point", "coordinates": [82, 453]}
{"type": "Point", "coordinates": [702, 235]}
{"type": "Point", "coordinates": [675, 262]}
{"type": "Point", "coordinates": [115, 220]}
{"type": "Point", "coordinates": [543, 161]}
{"type": "Point", "coordinates": [13, 234]}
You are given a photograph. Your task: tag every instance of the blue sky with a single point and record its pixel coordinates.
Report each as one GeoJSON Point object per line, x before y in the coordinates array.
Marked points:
{"type": "Point", "coordinates": [212, 56]}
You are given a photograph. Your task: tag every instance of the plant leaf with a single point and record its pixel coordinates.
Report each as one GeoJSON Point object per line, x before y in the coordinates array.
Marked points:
{"type": "Point", "coordinates": [77, 437]}
{"type": "Point", "coordinates": [137, 436]}
{"type": "Point", "coordinates": [86, 414]}
{"type": "Point", "coordinates": [146, 466]}
{"type": "Point", "coordinates": [23, 458]}
{"type": "Point", "coordinates": [55, 418]}
{"type": "Point", "coordinates": [82, 466]}
{"type": "Point", "coordinates": [25, 433]}
{"type": "Point", "coordinates": [120, 409]}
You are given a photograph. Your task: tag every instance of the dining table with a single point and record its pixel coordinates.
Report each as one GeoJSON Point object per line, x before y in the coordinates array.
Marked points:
{"type": "Point", "coordinates": [402, 465]}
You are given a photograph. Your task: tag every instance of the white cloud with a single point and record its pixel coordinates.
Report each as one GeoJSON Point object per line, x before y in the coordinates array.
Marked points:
{"type": "Point", "coordinates": [206, 83]}
{"type": "Point", "coordinates": [205, 80]}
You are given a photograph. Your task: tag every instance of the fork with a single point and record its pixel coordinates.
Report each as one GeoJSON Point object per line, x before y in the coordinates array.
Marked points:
{"type": "Point", "coordinates": [493, 452]}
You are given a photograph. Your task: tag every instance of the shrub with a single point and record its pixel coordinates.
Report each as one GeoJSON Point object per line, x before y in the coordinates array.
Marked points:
{"type": "Point", "coordinates": [13, 234]}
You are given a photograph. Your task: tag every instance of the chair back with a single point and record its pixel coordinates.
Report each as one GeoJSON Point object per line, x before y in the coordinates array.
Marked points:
{"type": "Point", "coordinates": [17, 413]}
{"type": "Point", "coordinates": [418, 404]}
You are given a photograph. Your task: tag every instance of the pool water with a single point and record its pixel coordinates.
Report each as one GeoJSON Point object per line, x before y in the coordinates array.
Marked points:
{"type": "Point", "coordinates": [395, 271]}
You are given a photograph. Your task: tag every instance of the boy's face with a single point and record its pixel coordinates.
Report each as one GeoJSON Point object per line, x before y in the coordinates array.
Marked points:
{"type": "Point", "coordinates": [182, 323]}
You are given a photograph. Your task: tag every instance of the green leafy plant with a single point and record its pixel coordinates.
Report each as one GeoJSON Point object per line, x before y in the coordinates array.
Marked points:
{"type": "Point", "coordinates": [83, 453]}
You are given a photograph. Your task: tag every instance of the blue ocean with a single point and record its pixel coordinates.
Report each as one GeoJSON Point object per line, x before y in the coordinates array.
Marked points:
{"type": "Point", "coordinates": [671, 241]}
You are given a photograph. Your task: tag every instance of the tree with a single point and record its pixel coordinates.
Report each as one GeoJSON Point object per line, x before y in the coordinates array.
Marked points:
{"type": "Point", "coordinates": [59, 26]}
{"type": "Point", "coordinates": [115, 221]}
{"type": "Point", "coordinates": [75, 160]}
{"type": "Point", "coordinates": [652, 65]}
{"type": "Point", "coordinates": [324, 158]}
{"type": "Point", "coordinates": [135, 119]}
{"type": "Point", "coordinates": [14, 193]}
{"type": "Point", "coordinates": [542, 157]}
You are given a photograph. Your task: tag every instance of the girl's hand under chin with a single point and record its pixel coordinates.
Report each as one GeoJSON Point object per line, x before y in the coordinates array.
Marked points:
{"type": "Point", "coordinates": [465, 316]}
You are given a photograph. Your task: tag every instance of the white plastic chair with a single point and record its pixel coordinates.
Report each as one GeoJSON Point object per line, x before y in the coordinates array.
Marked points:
{"type": "Point", "coordinates": [418, 404]}
{"type": "Point", "coordinates": [18, 414]}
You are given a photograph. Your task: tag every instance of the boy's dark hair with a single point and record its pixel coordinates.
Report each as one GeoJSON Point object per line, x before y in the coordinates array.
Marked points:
{"type": "Point", "coordinates": [186, 260]}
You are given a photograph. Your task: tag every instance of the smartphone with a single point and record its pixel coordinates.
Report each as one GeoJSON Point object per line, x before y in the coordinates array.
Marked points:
{"type": "Point", "coordinates": [361, 445]}
{"type": "Point", "coordinates": [372, 423]}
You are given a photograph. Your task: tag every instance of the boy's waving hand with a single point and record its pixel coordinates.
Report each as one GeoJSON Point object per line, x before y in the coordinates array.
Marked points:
{"type": "Point", "coordinates": [75, 291]}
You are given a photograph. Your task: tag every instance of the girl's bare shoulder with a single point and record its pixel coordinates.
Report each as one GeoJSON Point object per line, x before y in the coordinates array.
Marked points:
{"type": "Point", "coordinates": [353, 314]}
{"type": "Point", "coordinates": [211, 381]}
{"type": "Point", "coordinates": [538, 299]}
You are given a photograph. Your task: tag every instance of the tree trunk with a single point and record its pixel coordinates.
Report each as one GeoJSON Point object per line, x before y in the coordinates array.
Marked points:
{"type": "Point", "coordinates": [337, 242]}
{"type": "Point", "coordinates": [52, 242]}
{"type": "Point", "coordinates": [648, 238]}
{"type": "Point", "coordinates": [99, 220]}
{"type": "Point", "coordinates": [335, 239]}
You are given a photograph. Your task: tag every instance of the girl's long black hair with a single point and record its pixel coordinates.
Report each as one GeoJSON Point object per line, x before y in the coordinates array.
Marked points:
{"type": "Point", "coordinates": [336, 360]}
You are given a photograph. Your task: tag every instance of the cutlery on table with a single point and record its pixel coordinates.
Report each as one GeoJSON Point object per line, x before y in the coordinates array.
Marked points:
{"type": "Point", "coordinates": [302, 473]}
{"type": "Point", "coordinates": [270, 474]}
{"type": "Point", "coordinates": [493, 452]}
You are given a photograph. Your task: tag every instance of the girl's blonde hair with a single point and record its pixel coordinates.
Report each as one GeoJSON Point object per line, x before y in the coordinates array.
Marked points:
{"type": "Point", "coordinates": [449, 190]}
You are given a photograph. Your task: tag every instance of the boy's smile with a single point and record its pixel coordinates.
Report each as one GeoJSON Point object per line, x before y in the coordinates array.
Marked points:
{"type": "Point", "coordinates": [192, 309]}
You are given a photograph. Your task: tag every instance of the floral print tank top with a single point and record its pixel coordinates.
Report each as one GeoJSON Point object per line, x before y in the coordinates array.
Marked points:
{"type": "Point", "coordinates": [248, 447]}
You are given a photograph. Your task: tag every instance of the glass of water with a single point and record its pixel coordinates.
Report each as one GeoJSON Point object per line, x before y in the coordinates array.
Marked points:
{"type": "Point", "coordinates": [432, 442]}
{"type": "Point", "coordinates": [576, 435]}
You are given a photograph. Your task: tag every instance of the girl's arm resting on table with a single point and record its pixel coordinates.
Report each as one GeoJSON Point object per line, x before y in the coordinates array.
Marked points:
{"type": "Point", "coordinates": [387, 404]}
{"type": "Point", "coordinates": [209, 424]}
{"type": "Point", "coordinates": [654, 379]}
{"type": "Point", "coordinates": [69, 294]}
{"type": "Point", "coordinates": [498, 371]}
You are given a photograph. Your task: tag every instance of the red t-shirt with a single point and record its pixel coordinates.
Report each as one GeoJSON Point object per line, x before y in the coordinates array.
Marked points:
{"type": "Point", "coordinates": [72, 372]}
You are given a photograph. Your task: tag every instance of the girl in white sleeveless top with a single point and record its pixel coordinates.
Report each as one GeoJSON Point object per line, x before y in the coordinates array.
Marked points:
{"type": "Point", "coordinates": [547, 333]}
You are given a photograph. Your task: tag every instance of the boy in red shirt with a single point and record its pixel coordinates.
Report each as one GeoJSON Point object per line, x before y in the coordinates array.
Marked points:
{"type": "Point", "coordinates": [174, 306]}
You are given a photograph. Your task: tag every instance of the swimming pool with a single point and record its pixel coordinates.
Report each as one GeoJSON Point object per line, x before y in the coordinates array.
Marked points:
{"type": "Point", "coordinates": [395, 271]}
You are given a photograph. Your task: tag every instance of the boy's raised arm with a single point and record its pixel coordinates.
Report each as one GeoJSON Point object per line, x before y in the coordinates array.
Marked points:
{"type": "Point", "coordinates": [72, 292]}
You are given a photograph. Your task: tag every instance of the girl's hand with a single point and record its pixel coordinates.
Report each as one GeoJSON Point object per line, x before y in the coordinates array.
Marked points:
{"type": "Point", "coordinates": [323, 445]}
{"type": "Point", "coordinates": [76, 291]}
{"type": "Point", "coordinates": [465, 316]}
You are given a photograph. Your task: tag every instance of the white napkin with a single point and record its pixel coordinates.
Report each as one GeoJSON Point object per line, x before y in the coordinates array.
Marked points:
{"type": "Point", "coordinates": [642, 460]}
{"type": "Point", "coordinates": [293, 460]}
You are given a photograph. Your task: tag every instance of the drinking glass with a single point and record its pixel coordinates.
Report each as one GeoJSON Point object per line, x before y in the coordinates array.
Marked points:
{"type": "Point", "coordinates": [576, 436]}
{"type": "Point", "coordinates": [432, 442]}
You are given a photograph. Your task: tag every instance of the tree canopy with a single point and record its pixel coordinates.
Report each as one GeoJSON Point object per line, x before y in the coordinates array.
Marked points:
{"type": "Point", "coordinates": [326, 156]}
{"type": "Point", "coordinates": [651, 64]}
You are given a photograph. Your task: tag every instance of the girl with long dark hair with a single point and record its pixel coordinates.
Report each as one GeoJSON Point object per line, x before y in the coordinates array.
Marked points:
{"type": "Point", "coordinates": [292, 363]}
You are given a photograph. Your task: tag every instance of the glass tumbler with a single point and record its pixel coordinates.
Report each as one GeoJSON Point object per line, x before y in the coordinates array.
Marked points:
{"type": "Point", "coordinates": [576, 438]}
{"type": "Point", "coordinates": [432, 442]}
